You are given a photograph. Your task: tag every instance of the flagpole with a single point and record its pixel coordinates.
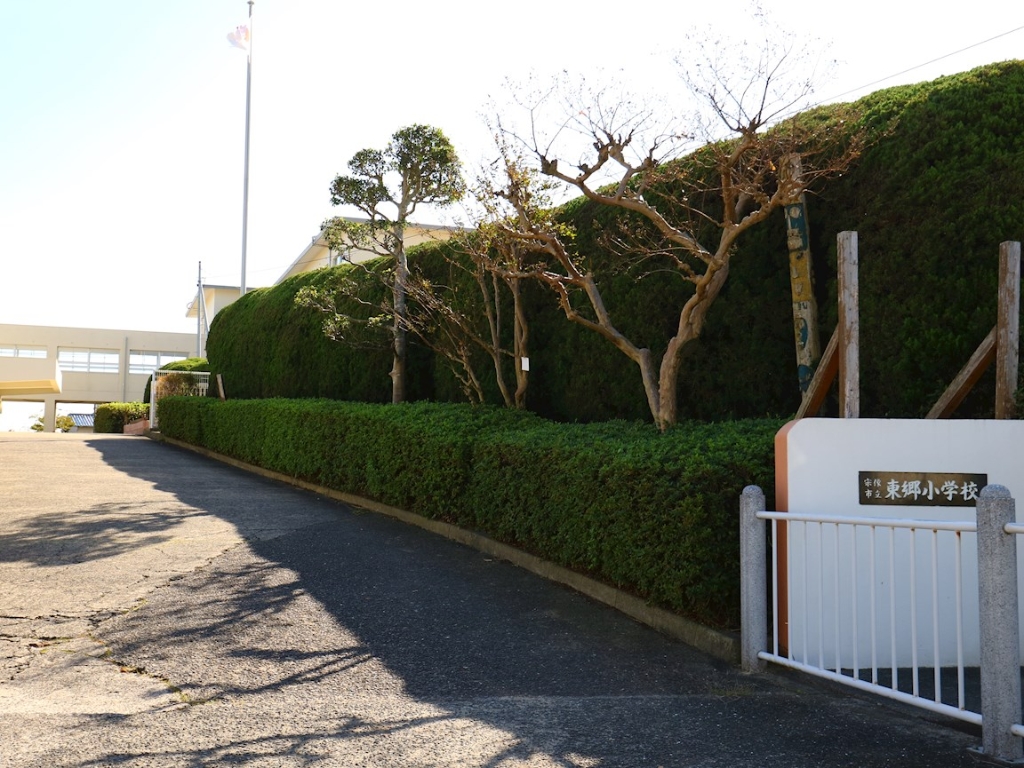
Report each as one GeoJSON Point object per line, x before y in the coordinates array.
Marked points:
{"type": "Point", "coordinates": [245, 187]}
{"type": "Point", "coordinates": [199, 312]}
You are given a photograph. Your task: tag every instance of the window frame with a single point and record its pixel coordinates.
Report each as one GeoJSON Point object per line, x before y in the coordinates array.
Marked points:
{"type": "Point", "coordinates": [20, 350]}
{"type": "Point", "coordinates": [96, 360]}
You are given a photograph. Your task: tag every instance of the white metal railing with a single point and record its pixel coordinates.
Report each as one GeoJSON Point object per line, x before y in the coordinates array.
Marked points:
{"type": "Point", "coordinates": [879, 604]}
{"type": "Point", "coordinates": [846, 589]}
{"type": "Point", "coordinates": [166, 383]}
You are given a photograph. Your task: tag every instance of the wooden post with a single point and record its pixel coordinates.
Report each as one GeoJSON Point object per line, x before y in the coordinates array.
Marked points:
{"type": "Point", "coordinates": [849, 327]}
{"type": "Point", "coordinates": [1008, 330]}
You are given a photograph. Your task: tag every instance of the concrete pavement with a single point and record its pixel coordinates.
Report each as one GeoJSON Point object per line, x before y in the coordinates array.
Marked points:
{"type": "Point", "coordinates": [161, 609]}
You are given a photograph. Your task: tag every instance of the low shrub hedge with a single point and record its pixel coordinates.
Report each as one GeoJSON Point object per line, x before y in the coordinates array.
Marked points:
{"type": "Point", "coordinates": [111, 417]}
{"type": "Point", "coordinates": [652, 513]}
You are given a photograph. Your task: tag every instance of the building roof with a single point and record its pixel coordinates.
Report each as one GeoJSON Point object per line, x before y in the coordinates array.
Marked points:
{"type": "Point", "coordinates": [318, 254]}
{"type": "Point", "coordinates": [82, 419]}
{"type": "Point", "coordinates": [315, 256]}
{"type": "Point", "coordinates": [223, 294]}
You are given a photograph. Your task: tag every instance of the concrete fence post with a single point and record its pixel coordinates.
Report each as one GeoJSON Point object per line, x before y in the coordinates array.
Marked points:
{"type": "Point", "coordinates": [753, 581]}
{"type": "Point", "coordinates": [997, 607]}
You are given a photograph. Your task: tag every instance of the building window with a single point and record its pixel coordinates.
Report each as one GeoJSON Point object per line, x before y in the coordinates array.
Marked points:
{"type": "Point", "coordinates": [15, 350]}
{"type": "Point", "coordinates": [144, 361]}
{"type": "Point", "coordinates": [88, 360]}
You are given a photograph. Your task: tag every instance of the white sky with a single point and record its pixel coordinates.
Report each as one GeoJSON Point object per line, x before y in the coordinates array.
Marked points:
{"type": "Point", "coordinates": [122, 121]}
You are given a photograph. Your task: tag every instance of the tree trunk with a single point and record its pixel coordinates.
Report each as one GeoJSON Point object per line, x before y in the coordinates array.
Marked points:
{"type": "Point", "coordinates": [398, 365]}
{"type": "Point", "coordinates": [691, 323]}
{"type": "Point", "coordinates": [492, 308]}
{"type": "Point", "coordinates": [520, 345]}
{"type": "Point", "coordinates": [650, 380]}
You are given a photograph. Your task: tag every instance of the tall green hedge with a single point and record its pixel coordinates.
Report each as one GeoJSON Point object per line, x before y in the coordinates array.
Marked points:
{"type": "Point", "coordinates": [936, 191]}
{"type": "Point", "coordinates": [266, 346]}
{"type": "Point", "coordinates": [653, 513]}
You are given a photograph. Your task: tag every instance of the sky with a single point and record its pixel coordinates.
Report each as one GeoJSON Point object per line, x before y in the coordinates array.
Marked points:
{"type": "Point", "coordinates": [122, 122]}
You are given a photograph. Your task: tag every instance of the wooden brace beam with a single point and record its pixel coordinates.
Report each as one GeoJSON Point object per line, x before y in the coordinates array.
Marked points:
{"type": "Point", "coordinates": [824, 375]}
{"type": "Point", "coordinates": [966, 379]}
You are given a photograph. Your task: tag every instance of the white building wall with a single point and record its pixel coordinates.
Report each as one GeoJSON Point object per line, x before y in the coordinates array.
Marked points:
{"type": "Point", "coordinates": [91, 387]}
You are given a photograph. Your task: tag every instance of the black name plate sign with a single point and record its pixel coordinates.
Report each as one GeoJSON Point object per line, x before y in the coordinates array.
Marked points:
{"type": "Point", "coordinates": [921, 489]}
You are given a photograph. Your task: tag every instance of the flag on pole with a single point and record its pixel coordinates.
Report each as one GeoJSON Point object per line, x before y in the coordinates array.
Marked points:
{"type": "Point", "coordinates": [240, 37]}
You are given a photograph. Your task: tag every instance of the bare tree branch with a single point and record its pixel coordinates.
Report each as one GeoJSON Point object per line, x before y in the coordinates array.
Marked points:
{"type": "Point", "coordinates": [688, 214]}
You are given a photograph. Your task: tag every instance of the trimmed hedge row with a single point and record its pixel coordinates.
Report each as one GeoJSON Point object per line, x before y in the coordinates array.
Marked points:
{"type": "Point", "coordinates": [111, 417]}
{"type": "Point", "coordinates": [652, 513]}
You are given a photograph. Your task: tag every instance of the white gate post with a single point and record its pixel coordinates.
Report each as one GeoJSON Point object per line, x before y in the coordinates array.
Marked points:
{"type": "Point", "coordinates": [152, 400]}
{"type": "Point", "coordinates": [997, 607]}
{"type": "Point", "coordinates": [753, 581]}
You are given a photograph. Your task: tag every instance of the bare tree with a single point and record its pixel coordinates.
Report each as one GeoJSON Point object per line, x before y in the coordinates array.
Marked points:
{"type": "Point", "coordinates": [686, 215]}
{"type": "Point", "coordinates": [449, 322]}
{"type": "Point", "coordinates": [466, 312]}
{"type": "Point", "coordinates": [446, 321]}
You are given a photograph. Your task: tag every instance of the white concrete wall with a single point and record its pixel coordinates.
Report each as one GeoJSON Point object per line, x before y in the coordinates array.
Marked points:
{"type": "Point", "coordinates": [818, 461]}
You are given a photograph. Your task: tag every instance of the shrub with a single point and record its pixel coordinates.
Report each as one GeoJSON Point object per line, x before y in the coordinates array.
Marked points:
{"type": "Point", "coordinates": [265, 345]}
{"type": "Point", "coordinates": [652, 513]}
{"type": "Point", "coordinates": [198, 364]}
{"type": "Point", "coordinates": [111, 417]}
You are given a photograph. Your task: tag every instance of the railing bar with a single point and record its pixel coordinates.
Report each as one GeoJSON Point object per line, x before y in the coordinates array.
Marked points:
{"type": "Point", "coordinates": [874, 607]}
{"type": "Point", "coordinates": [821, 600]}
{"type": "Point", "coordinates": [959, 622]}
{"type": "Point", "coordinates": [938, 525]}
{"type": "Point", "coordinates": [906, 698]}
{"type": "Point", "coordinates": [1017, 729]}
{"type": "Point", "coordinates": [913, 611]}
{"type": "Point", "coordinates": [937, 667]}
{"type": "Point", "coordinates": [775, 587]}
{"type": "Point", "coordinates": [791, 530]}
{"type": "Point", "coordinates": [1014, 528]}
{"type": "Point", "coordinates": [835, 595]}
{"type": "Point", "coordinates": [855, 630]}
{"type": "Point", "coordinates": [803, 582]}
{"type": "Point", "coordinates": [892, 606]}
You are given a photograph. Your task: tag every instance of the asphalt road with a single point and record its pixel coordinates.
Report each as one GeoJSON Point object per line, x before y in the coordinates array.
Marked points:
{"type": "Point", "coordinates": [158, 608]}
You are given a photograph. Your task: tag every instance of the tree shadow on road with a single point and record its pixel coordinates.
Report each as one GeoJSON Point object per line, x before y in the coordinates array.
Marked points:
{"type": "Point", "coordinates": [340, 606]}
{"type": "Point", "coordinates": [93, 533]}
{"type": "Point", "coordinates": [359, 739]}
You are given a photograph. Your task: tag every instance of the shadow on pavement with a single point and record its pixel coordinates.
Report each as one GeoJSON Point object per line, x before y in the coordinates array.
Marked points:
{"type": "Point", "coordinates": [457, 639]}
{"type": "Point", "coordinates": [92, 533]}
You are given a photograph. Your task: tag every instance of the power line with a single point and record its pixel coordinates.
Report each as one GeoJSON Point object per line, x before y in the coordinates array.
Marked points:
{"type": "Point", "coordinates": [919, 66]}
{"type": "Point", "coordinates": [818, 103]}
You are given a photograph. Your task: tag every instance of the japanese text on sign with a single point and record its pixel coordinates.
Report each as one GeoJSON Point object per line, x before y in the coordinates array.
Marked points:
{"type": "Point", "coordinates": [922, 489]}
